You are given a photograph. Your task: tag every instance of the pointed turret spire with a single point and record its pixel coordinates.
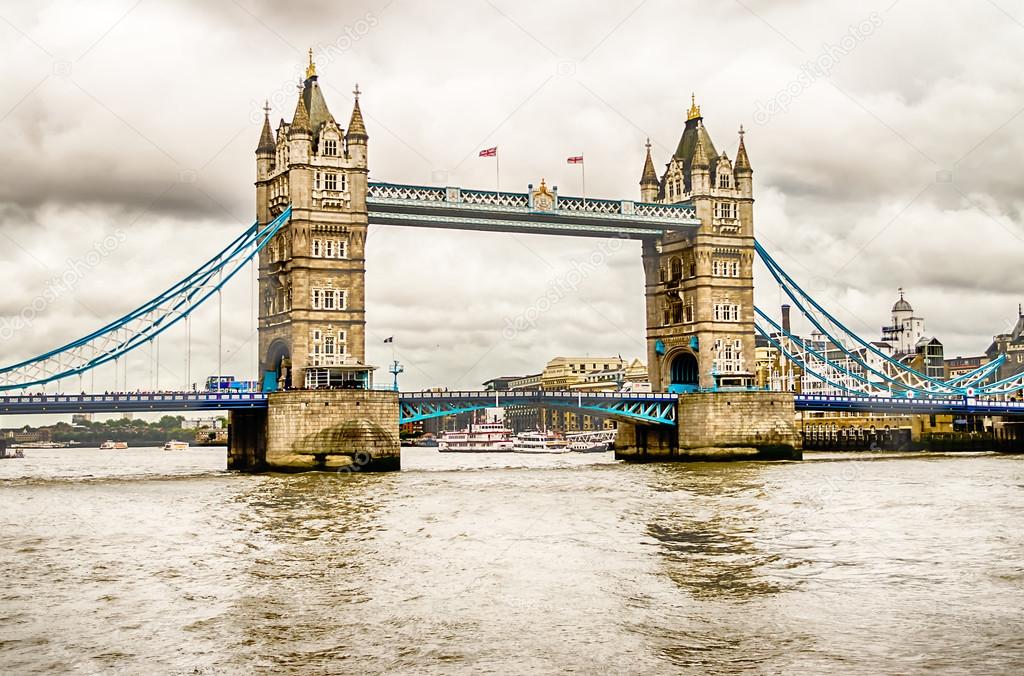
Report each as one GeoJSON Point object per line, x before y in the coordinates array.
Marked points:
{"type": "Point", "coordinates": [650, 176]}
{"type": "Point", "coordinates": [742, 161]}
{"type": "Point", "coordinates": [266, 136]}
{"type": "Point", "coordinates": [700, 152]}
{"type": "Point", "coordinates": [356, 127]}
{"type": "Point", "coordinates": [300, 122]}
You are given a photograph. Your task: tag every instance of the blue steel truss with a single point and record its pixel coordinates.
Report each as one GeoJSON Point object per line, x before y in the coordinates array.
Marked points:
{"type": "Point", "coordinates": [654, 409]}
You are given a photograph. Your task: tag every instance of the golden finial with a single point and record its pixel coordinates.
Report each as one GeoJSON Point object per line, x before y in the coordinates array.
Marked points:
{"type": "Point", "coordinates": [311, 68]}
{"type": "Point", "coordinates": [648, 144]}
{"type": "Point", "coordinates": [266, 108]}
{"type": "Point", "coordinates": [694, 109]}
{"type": "Point", "coordinates": [356, 91]}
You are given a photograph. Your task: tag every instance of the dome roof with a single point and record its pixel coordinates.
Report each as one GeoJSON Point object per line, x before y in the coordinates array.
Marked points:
{"type": "Point", "coordinates": [902, 305]}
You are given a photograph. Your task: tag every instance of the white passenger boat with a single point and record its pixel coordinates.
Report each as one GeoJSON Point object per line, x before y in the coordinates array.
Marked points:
{"type": "Point", "coordinates": [480, 438]}
{"type": "Point", "coordinates": [597, 441]}
{"type": "Point", "coordinates": [176, 446]}
{"type": "Point", "coordinates": [113, 445]}
{"type": "Point", "coordinates": [540, 442]}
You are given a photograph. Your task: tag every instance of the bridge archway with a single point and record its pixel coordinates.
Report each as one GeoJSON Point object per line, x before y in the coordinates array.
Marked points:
{"type": "Point", "coordinates": [684, 372]}
{"type": "Point", "coordinates": [278, 363]}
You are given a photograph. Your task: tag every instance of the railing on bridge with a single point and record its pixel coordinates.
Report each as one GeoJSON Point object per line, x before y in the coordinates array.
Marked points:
{"type": "Point", "coordinates": [156, 402]}
{"type": "Point", "coordinates": [397, 204]}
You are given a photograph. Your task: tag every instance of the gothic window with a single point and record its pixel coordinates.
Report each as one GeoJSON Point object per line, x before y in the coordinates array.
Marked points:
{"type": "Point", "coordinates": [693, 269]}
{"type": "Point", "coordinates": [329, 346]}
{"type": "Point", "coordinates": [677, 313]}
{"type": "Point", "coordinates": [330, 147]}
{"type": "Point", "coordinates": [724, 180]}
{"type": "Point", "coordinates": [342, 248]}
{"type": "Point", "coordinates": [329, 248]}
{"type": "Point", "coordinates": [316, 248]}
{"type": "Point", "coordinates": [677, 269]}
{"type": "Point", "coordinates": [661, 274]}
{"type": "Point", "coordinates": [330, 180]}
{"type": "Point", "coordinates": [688, 316]}
{"type": "Point", "coordinates": [340, 300]}
{"type": "Point", "coordinates": [715, 268]}
{"type": "Point", "coordinates": [328, 299]}
{"type": "Point", "coordinates": [318, 299]}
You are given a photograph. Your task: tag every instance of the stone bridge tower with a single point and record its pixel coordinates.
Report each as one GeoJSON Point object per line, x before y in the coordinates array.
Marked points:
{"type": "Point", "coordinates": [312, 300]}
{"type": "Point", "coordinates": [699, 286]}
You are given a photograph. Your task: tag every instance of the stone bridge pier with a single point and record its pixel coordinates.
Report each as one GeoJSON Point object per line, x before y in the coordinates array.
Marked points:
{"type": "Point", "coordinates": [310, 430]}
{"type": "Point", "coordinates": [718, 426]}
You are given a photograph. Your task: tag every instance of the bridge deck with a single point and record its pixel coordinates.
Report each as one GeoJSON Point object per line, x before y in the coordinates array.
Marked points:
{"type": "Point", "coordinates": [655, 407]}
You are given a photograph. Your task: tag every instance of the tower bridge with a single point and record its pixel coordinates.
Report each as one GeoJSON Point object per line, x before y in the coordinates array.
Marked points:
{"type": "Point", "coordinates": [318, 407]}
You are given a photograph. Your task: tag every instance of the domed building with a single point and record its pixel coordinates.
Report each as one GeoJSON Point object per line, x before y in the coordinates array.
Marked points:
{"type": "Point", "coordinates": [906, 329]}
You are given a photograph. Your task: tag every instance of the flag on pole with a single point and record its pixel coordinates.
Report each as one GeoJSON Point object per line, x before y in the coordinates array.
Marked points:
{"type": "Point", "coordinates": [578, 159]}
{"type": "Point", "coordinates": [489, 152]}
{"type": "Point", "coordinates": [389, 339]}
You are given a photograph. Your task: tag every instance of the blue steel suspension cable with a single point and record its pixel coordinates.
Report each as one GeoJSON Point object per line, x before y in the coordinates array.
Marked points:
{"type": "Point", "coordinates": [778, 273]}
{"type": "Point", "coordinates": [190, 285]}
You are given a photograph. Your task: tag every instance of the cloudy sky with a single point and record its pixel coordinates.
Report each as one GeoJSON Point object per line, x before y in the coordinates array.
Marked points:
{"type": "Point", "coordinates": [885, 138]}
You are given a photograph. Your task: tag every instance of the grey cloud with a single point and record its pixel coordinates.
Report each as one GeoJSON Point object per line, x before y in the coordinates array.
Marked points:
{"type": "Point", "coordinates": [156, 121]}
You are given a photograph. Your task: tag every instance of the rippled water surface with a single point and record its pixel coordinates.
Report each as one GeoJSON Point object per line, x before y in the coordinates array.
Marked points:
{"type": "Point", "coordinates": [144, 561]}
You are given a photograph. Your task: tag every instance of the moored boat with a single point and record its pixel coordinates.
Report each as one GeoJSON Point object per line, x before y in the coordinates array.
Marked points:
{"type": "Point", "coordinates": [540, 442]}
{"type": "Point", "coordinates": [113, 445]}
{"type": "Point", "coordinates": [480, 438]}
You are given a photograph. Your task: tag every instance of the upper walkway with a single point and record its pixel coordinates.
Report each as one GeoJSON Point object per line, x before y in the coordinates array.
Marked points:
{"type": "Point", "coordinates": [458, 208]}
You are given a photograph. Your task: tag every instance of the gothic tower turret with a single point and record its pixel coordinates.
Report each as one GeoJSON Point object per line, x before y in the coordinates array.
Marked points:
{"type": "Point", "coordinates": [700, 296]}
{"type": "Point", "coordinates": [312, 291]}
{"type": "Point", "coordinates": [649, 179]}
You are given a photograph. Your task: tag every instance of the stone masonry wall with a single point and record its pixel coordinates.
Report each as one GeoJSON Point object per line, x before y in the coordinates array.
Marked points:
{"type": "Point", "coordinates": [755, 419]}
{"type": "Point", "coordinates": [333, 429]}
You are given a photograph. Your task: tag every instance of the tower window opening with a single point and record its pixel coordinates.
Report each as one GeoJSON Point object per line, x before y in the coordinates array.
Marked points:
{"type": "Point", "coordinates": [331, 147]}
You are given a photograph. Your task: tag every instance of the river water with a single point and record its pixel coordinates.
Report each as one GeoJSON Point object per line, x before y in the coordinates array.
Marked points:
{"type": "Point", "coordinates": [152, 562]}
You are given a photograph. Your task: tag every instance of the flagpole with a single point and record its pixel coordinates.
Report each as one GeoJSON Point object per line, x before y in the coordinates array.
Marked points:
{"type": "Point", "coordinates": [583, 166]}
{"type": "Point", "coordinates": [497, 170]}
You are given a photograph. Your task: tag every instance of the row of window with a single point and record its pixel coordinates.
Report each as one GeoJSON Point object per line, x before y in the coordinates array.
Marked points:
{"type": "Point", "coordinates": [678, 313]}
{"type": "Point", "coordinates": [725, 268]}
{"type": "Point", "coordinates": [330, 180]}
{"type": "Point", "coordinates": [729, 356]}
{"type": "Point", "coordinates": [328, 348]}
{"type": "Point", "coordinates": [719, 268]}
{"type": "Point", "coordinates": [329, 248]}
{"type": "Point", "coordinates": [726, 210]}
{"type": "Point", "coordinates": [727, 312]}
{"type": "Point", "coordinates": [329, 299]}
